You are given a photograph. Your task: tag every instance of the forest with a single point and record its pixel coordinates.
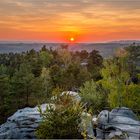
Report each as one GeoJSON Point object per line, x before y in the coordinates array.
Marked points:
{"type": "Point", "coordinates": [33, 77]}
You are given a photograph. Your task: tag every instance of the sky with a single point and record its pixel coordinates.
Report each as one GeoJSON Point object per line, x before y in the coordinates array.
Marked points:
{"type": "Point", "coordinates": [60, 20]}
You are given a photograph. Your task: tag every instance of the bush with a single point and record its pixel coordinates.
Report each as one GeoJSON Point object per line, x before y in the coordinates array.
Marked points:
{"type": "Point", "coordinates": [90, 94]}
{"type": "Point", "coordinates": [61, 121]}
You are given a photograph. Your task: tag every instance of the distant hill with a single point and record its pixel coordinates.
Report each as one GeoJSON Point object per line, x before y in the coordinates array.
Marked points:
{"type": "Point", "coordinates": [126, 41]}
{"type": "Point", "coordinates": [105, 49]}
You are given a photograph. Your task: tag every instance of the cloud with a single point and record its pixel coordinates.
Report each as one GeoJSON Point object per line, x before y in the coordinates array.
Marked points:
{"type": "Point", "coordinates": [84, 16]}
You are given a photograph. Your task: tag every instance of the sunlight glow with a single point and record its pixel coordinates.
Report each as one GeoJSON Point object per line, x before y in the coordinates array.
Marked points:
{"type": "Point", "coordinates": [82, 21]}
{"type": "Point", "coordinates": [72, 39]}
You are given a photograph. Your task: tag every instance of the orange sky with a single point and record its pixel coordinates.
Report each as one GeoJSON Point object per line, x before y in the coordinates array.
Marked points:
{"type": "Point", "coordinates": [59, 20]}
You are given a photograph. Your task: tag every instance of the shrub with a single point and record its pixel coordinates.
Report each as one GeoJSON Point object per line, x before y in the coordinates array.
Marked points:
{"type": "Point", "coordinates": [61, 121]}
{"type": "Point", "coordinates": [90, 94]}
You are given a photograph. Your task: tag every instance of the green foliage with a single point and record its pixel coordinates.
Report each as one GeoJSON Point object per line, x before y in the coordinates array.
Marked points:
{"type": "Point", "coordinates": [22, 82]}
{"type": "Point", "coordinates": [83, 76]}
{"type": "Point", "coordinates": [95, 61]}
{"type": "Point", "coordinates": [3, 70]}
{"type": "Point", "coordinates": [4, 97]}
{"type": "Point", "coordinates": [32, 77]}
{"type": "Point", "coordinates": [56, 75]}
{"type": "Point", "coordinates": [61, 121]}
{"type": "Point", "coordinates": [91, 95]}
{"type": "Point", "coordinates": [114, 78]}
{"type": "Point", "coordinates": [84, 55]}
{"type": "Point", "coordinates": [46, 81]}
{"type": "Point", "coordinates": [131, 97]}
{"type": "Point", "coordinates": [45, 58]}
{"type": "Point", "coordinates": [29, 78]}
{"type": "Point", "coordinates": [72, 71]}
{"type": "Point", "coordinates": [133, 58]}
{"type": "Point", "coordinates": [64, 56]}
{"type": "Point", "coordinates": [120, 92]}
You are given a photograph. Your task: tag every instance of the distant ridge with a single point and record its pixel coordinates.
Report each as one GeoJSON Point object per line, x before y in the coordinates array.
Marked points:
{"type": "Point", "coordinates": [125, 41]}
{"type": "Point", "coordinates": [46, 42]}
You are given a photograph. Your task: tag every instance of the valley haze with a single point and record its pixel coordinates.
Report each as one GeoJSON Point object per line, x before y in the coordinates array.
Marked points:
{"type": "Point", "coordinates": [106, 49]}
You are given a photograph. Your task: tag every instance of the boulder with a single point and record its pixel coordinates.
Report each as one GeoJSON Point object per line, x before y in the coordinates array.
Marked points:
{"type": "Point", "coordinates": [22, 124]}
{"type": "Point", "coordinates": [122, 119]}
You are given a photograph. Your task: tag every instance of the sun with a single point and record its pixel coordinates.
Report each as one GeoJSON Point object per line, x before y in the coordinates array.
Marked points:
{"type": "Point", "coordinates": [72, 39]}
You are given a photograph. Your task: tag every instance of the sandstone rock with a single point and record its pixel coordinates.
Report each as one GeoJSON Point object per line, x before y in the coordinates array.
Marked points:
{"type": "Point", "coordinates": [122, 119]}
{"type": "Point", "coordinates": [22, 124]}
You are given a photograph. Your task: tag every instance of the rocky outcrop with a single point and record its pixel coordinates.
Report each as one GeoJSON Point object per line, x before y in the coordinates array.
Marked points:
{"type": "Point", "coordinates": [22, 124]}
{"type": "Point", "coordinates": [120, 122]}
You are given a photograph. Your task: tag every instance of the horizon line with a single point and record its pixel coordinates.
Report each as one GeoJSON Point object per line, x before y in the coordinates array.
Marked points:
{"type": "Point", "coordinates": [90, 42]}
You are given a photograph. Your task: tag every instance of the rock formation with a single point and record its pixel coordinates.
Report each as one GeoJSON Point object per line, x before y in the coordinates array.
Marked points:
{"type": "Point", "coordinates": [22, 124]}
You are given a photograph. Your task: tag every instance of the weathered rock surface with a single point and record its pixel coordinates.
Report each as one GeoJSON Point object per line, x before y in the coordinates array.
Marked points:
{"type": "Point", "coordinates": [120, 120]}
{"type": "Point", "coordinates": [22, 124]}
